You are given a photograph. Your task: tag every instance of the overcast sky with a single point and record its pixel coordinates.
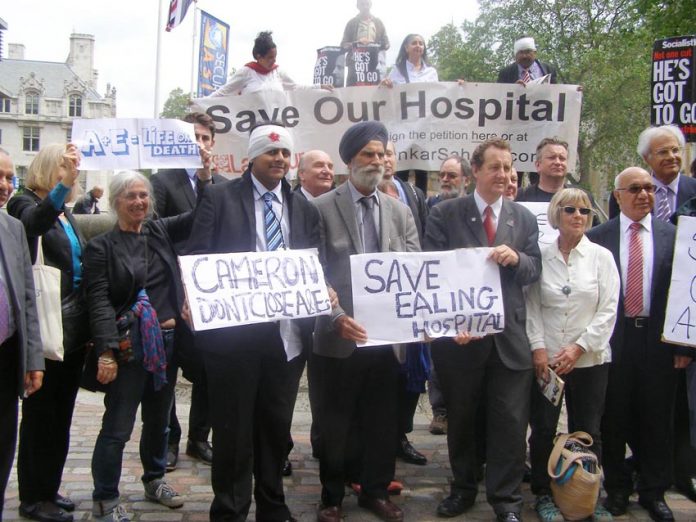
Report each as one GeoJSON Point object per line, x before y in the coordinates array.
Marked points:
{"type": "Point", "coordinates": [126, 36]}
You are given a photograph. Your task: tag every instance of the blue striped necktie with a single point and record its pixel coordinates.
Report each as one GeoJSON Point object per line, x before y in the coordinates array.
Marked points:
{"type": "Point", "coordinates": [274, 236]}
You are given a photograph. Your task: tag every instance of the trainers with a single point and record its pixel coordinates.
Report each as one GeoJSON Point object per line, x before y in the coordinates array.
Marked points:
{"type": "Point", "coordinates": [117, 514]}
{"type": "Point", "coordinates": [438, 426]}
{"type": "Point", "coordinates": [547, 510]}
{"type": "Point", "coordinates": [601, 514]}
{"type": "Point", "coordinates": [159, 491]}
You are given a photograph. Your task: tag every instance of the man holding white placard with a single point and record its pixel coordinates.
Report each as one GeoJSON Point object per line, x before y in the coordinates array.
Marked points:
{"type": "Point", "coordinates": [358, 386]}
{"type": "Point", "coordinates": [500, 364]}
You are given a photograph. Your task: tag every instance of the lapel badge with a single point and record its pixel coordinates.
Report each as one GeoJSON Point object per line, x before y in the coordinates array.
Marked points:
{"type": "Point", "coordinates": [510, 222]}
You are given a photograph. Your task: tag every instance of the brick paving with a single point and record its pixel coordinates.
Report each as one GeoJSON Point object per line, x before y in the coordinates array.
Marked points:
{"type": "Point", "coordinates": [424, 486]}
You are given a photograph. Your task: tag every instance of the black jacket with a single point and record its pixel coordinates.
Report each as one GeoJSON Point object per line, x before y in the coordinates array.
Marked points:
{"type": "Point", "coordinates": [510, 74]}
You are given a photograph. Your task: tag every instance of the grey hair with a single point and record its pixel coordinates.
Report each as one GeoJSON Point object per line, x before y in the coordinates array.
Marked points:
{"type": "Point", "coordinates": [649, 134]}
{"type": "Point", "coordinates": [122, 181]}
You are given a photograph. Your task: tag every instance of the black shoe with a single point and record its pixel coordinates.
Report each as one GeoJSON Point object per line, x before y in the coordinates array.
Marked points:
{"type": "Point", "coordinates": [287, 468]}
{"type": "Point", "coordinates": [172, 457]}
{"type": "Point", "coordinates": [64, 503]}
{"type": "Point", "coordinates": [408, 453]}
{"type": "Point", "coordinates": [658, 510]}
{"type": "Point", "coordinates": [454, 505]}
{"type": "Point", "coordinates": [202, 451]}
{"type": "Point", "coordinates": [44, 512]}
{"type": "Point", "coordinates": [616, 504]}
{"type": "Point", "coordinates": [510, 516]}
{"type": "Point", "coordinates": [688, 489]}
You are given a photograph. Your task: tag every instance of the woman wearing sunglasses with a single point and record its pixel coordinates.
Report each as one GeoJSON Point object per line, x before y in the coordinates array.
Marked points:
{"type": "Point", "coordinates": [571, 313]}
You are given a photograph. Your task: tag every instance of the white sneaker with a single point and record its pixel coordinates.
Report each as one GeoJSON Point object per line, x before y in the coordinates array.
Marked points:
{"type": "Point", "coordinates": [159, 491]}
{"type": "Point", "coordinates": [117, 514]}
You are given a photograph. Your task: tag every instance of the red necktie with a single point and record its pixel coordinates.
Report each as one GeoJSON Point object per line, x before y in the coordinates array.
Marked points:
{"type": "Point", "coordinates": [526, 77]}
{"type": "Point", "coordinates": [633, 304]}
{"type": "Point", "coordinates": [488, 225]}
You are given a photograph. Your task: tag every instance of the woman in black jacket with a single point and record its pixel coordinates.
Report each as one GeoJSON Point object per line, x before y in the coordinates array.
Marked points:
{"type": "Point", "coordinates": [134, 293]}
{"type": "Point", "coordinates": [44, 435]}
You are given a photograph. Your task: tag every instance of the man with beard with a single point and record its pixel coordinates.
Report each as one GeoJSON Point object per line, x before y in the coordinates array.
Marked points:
{"type": "Point", "coordinates": [454, 174]}
{"type": "Point", "coordinates": [358, 387]}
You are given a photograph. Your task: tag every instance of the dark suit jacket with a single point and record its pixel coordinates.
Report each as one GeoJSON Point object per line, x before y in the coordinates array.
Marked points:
{"type": "Point", "coordinates": [40, 219]}
{"type": "Point", "coordinates": [608, 235]}
{"type": "Point", "coordinates": [416, 202]}
{"type": "Point", "coordinates": [456, 223]}
{"type": "Point", "coordinates": [225, 222]}
{"type": "Point", "coordinates": [14, 255]}
{"type": "Point", "coordinates": [109, 279]}
{"type": "Point", "coordinates": [173, 192]}
{"type": "Point", "coordinates": [340, 238]}
{"type": "Point", "coordinates": [510, 74]}
{"type": "Point", "coordinates": [686, 189]}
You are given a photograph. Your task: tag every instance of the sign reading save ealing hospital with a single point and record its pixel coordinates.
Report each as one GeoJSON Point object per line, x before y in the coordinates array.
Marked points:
{"type": "Point", "coordinates": [427, 121]}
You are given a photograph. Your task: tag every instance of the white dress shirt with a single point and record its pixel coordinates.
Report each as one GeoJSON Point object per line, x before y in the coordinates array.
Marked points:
{"type": "Point", "coordinates": [585, 313]}
{"type": "Point", "coordinates": [496, 207]}
{"type": "Point", "coordinates": [425, 74]}
{"type": "Point", "coordinates": [646, 236]}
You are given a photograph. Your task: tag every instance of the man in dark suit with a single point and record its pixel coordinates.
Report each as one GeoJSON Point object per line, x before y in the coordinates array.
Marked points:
{"type": "Point", "coordinates": [455, 175]}
{"type": "Point", "coordinates": [358, 386]}
{"type": "Point", "coordinates": [526, 67]}
{"type": "Point", "coordinates": [175, 192]}
{"type": "Point", "coordinates": [500, 364]}
{"type": "Point", "coordinates": [251, 384]}
{"type": "Point", "coordinates": [662, 148]}
{"type": "Point", "coordinates": [315, 173]}
{"type": "Point", "coordinates": [642, 375]}
{"type": "Point", "coordinates": [21, 354]}
{"type": "Point", "coordinates": [409, 195]}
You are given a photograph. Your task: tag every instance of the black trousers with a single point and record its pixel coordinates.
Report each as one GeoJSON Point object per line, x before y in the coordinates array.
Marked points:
{"type": "Point", "coordinates": [684, 452]}
{"type": "Point", "coordinates": [251, 392]}
{"type": "Point", "coordinates": [506, 392]}
{"type": "Point", "coordinates": [639, 408]}
{"type": "Point", "coordinates": [407, 404]}
{"type": "Point", "coordinates": [44, 433]}
{"type": "Point", "coordinates": [9, 364]}
{"type": "Point", "coordinates": [358, 419]}
{"type": "Point", "coordinates": [585, 389]}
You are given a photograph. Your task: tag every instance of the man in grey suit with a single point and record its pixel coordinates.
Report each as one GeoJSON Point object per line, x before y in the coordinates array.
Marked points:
{"type": "Point", "coordinates": [21, 355]}
{"type": "Point", "coordinates": [358, 386]}
{"type": "Point", "coordinates": [499, 365]}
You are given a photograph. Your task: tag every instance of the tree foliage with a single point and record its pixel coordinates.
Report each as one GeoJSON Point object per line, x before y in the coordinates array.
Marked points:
{"type": "Point", "coordinates": [602, 45]}
{"type": "Point", "coordinates": [177, 104]}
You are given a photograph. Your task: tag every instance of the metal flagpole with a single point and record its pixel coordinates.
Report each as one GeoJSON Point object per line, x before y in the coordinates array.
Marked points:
{"type": "Point", "coordinates": [158, 60]}
{"type": "Point", "coordinates": [194, 76]}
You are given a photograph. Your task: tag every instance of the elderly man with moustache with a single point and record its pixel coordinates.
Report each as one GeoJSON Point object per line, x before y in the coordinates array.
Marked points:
{"type": "Point", "coordinates": [358, 385]}
{"type": "Point", "coordinates": [642, 375]}
{"type": "Point", "coordinates": [315, 174]}
{"type": "Point", "coordinates": [526, 67]}
{"type": "Point", "coordinates": [455, 173]}
{"type": "Point", "coordinates": [498, 365]}
{"type": "Point", "coordinates": [21, 354]}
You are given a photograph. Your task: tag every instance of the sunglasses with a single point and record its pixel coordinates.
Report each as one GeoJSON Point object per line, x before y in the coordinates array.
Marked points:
{"type": "Point", "coordinates": [583, 211]}
{"type": "Point", "coordinates": [637, 189]}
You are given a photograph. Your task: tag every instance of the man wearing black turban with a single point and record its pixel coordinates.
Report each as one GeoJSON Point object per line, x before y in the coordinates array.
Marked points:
{"type": "Point", "coordinates": [358, 387]}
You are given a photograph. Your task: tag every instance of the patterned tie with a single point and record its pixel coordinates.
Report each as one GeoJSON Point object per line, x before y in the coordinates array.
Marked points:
{"type": "Point", "coordinates": [663, 210]}
{"type": "Point", "coordinates": [4, 314]}
{"type": "Point", "coordinates": [488, 225]}
{"type": "Point", "coordinates": [370, 238]}
{"type": "Point", "coordinates": [633, 303]}
{"type": "Point", "coordinates": [274, 236]}
{"type": "Point", "coordinates": [526, 77]}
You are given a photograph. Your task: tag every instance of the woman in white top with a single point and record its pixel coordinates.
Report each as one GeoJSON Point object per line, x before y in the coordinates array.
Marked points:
{"type": "Point", "coordinates": [263, 74]}
{"type": "Point", "coordinates": [411, 64]}
{"type": "Point", "coordinates": [571, 312]}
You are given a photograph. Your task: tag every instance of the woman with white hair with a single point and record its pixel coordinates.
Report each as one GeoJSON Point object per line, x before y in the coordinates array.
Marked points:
{"type": "Point", "coordinates": [134, 293]}
{"type": "Point", "coordinates": [571, 312]}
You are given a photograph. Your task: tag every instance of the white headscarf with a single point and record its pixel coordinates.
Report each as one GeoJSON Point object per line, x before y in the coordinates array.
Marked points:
{"type": "Point", "coordinates": [268, 137]}
{"type": "Point", "coordinates": [525, 44]}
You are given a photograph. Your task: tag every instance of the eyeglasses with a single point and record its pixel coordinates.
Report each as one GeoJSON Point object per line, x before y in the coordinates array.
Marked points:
{"type": "Point", "coordinates": [448, 175]}
{"type": "Point", "coordinates": [637, 189]}
{"type": "Point", "coordinates": [571, 210]}
{"type": "Point", "coordinates": [670, 151]}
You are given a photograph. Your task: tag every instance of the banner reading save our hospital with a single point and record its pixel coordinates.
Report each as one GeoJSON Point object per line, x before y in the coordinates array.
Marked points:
{"type": "Point", "coordinates": [403, 297]}
{"type": "Point", "coordinates": [131, 143]}
{"type": "Point", "coordinates": [212, 58]}
{"type": "Point", "coordinates": [427, 121]}
{"type": "Point", "coordinates": [253, 287]}
{"type": "Point", "coordinates": [680, 316]}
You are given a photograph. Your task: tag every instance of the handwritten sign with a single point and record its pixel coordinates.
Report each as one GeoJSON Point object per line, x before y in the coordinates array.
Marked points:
{"type": "Point", "coordinates": [408, 297]}
{"type": "Point", "coordinates": [547, 234]}
{"type": "Point", "coordinates": [253, 287]}
{"type": "Point", "coordinates": [112, 143]}
{"type": "Point", "coordinates": [680, 317]}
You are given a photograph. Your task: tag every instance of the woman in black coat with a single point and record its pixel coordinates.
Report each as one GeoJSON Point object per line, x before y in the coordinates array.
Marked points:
{"type": "Point", "coordinates": [44, 435]}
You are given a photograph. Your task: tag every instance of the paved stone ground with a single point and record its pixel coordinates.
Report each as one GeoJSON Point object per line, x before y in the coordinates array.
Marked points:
{"type": "Point", "coordinates": [424, 486]}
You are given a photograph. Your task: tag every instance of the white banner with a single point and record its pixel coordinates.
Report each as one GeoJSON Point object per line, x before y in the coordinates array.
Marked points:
{"type": "Point", "coordinates": [680, 316]}
{"type": "Point", "coordinates": [253, 287]}
{"type": "Point", "coordinates": [130, 143]}
{"type": "Point", "coordinates": [427, 121]}
{"type": "Point", "coordinates": [408, 297]}
{"type": "Point", "coordinates": [547, 234]}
